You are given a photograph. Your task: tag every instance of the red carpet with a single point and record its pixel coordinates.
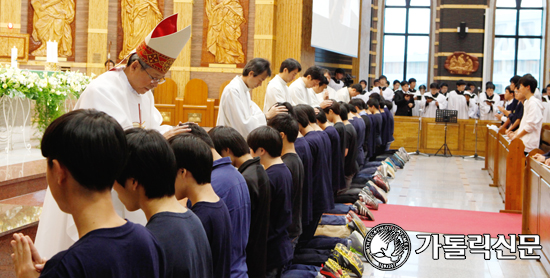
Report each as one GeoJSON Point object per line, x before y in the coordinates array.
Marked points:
{"type": "Point", "coordinates": [447, 221]}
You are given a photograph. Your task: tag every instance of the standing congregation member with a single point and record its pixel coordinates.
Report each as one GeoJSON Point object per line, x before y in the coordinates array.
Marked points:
{"type": "Point", "coordinates": [404, 100]}
{"type": "Point", "coordinates": [80, 179]}
{"type": "Point", "coordinates": [229, 143]}
{"type": "Point", "coordinates": [147, 183]}
{"type": "Point", "coordinates": [194, 162]}
{"type": "Point", "coordinates": [509, 106]}
{"type": "Point", "coordinates": [457, 101]}
{"type": "Point", "coordinates": [488, 103]}
{"type": "Point", "coordinates": [418, 100]}
{"type": "Point", "coordinates": [123, 93]}
{"type": "Point", "coordinates": [531, 124]}
{"type": "Point", "coordinates": [277, 90]}
{"type": "Point", "coordinates": [237, 109]}
{"type": "Point", "coordinates": [433, 101]}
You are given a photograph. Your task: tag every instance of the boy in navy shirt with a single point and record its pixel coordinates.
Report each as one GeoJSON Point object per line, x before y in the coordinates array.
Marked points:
{"type": "Point", "coordinates": [266, 143]}
{"type": "Point", "coordinates": [323, 199]}
{"type": "Point", "coordinates": [109, 246]}
{"type": "Point", "coordinates": [350, 163]}
{"type": "Point", "coordinates": [147, 183]}
{"type": "Point", "coordinates": [230, 143]}
{"type": "Point", "coordinates": [338, 181]}
{"type": "Point", "coordinates": [194, 161]}
{"type": "Point", "coordinates": [231, 187]}
{"type": "Point", "coordinates": [288, 128]}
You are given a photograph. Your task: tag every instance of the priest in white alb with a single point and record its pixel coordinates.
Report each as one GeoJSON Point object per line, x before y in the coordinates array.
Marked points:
{"type": "Point", "coordinates": [125, 94]}
{"type": "Point", "coordinates": [277, 90]}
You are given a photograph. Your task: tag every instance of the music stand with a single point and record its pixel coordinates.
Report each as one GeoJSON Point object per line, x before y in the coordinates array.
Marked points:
{"type": "Point", "coordinates": [445, 116]}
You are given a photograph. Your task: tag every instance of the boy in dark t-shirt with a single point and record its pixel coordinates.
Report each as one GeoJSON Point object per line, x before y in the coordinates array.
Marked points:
{"type": "Point", "coordinates": [147, 183]}
{"type": "Point", "coordinates": [194, 161]}
{"type": "Point", "coordinates": [266, 143]}
{"type": "Point", "coordinates": [288, 126]}
{"type": "Point", "coordinates": [338, 180]}
{"type": "Point", "coordinates": [109, 246]}
{"type": "Point", "coordinates": [231, 144]}
{"type": "Point", "coordinates": [350, 163]}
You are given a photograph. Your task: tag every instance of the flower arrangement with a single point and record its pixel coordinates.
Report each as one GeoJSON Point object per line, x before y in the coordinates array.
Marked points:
{"type": "Point", "coordinates": [49, 90]}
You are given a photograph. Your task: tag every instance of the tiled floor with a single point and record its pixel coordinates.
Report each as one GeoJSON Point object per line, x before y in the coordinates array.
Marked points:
{"type": "Point", "coordinates": [453, 183]}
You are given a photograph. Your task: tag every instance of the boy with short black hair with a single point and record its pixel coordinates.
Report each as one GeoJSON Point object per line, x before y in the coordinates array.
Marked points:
{"type": "Point", "coordinates": [298, 88]}
{"type": "Point", "coordinates": [457, 100]}
{"type": "Point", "coordinates": [109, 246]}
{"type": "Point", "coordinates": [266, 143]}
{"type": "Point", "coordinates": [194, 163]}
{"type": "Point", "coordinates": [231, 187]}
{"type": "Point", "coordinates": [322, 197]}
{"type": "Point", "coordinates": [531, 124]}
{"type": "Point", "coordinates": [350, 163]}
{"type": "Point", "coordinates": [288, 129]}
{"type": "Point", "coordinates": [147, 183]}
{"type": "Point", "coordinates": [404, 100]}
{"type": "Point", "coordinates": [231, 145]}
{"type": "Point", "coordinates": [338, 181]}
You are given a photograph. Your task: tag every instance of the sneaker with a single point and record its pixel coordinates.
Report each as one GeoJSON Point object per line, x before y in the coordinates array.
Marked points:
{"type": "Point", "coordinates": [380, 183]}
{"type": "Point", "coordinates": [390, 171]}
{"type": "Point", "coordinates": [364, 211]}
{"type": "Point", "coordinates": [337, 267]}
{"type": "Point", "coordinates": [399, 160]}
{"type": "Point", "coordinates": [357, 241]}
{"type": "Point", "coordinates": [358, 223]}
{"type": "Point", "coordinates": [328, 270]}
{"type": "Point", "coordinates": [348, 260]}
{"type": "Point", "coordinates": [390, 163]}
{"type": "Point", "coordinates": [368, 201]}
{"type": "Point", "coordinates": [382, 169]}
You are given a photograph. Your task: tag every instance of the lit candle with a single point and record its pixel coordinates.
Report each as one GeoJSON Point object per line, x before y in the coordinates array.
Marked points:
{"type": "Point", "coordinates": [14, 57]}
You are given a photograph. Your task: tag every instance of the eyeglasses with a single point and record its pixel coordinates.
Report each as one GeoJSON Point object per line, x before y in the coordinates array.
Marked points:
{"type": "Point", "coordinates": [155, 80]}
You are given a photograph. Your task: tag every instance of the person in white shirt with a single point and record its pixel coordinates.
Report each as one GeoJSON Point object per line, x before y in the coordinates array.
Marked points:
{"type": "Point", "coordinates": [531, 123]}
{"type": "Point", "coordinates": [321, 91]}
{"type": "Point", "coordinates": [237, 109]}
{"type": "Point", "coordinates": [473, 109]}
{"type": "Point", "coordinates": [457, 101]}
{"type": "Point", "coordinates": [444, 90]}
{"type": "Point", "coordinates": [299, 88]}
{"type": "Point", "coordinates": [364, 85]}
{"type": "Point", "coordinates": [417, 100]}
{"type": "Point", "coordinates": [336, 83]}
{"type": "Point", "coordinates": [384, 91]}
{"type": "Point", "coordinates": [277, 90]}
{"type": "Point", "coordinates": [433, 101]}
{"type": "Point", "coordinates": [488, 103]}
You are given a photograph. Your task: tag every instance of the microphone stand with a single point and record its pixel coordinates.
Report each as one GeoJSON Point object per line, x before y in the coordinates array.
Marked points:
{"type": "Point", "coordinates": [420, 112]}
{"type": "Point", "coordinates": [476, 156]}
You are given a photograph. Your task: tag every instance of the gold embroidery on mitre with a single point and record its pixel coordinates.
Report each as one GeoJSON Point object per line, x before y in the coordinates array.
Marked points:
{"type": "Point", "coordinates": [154, 59]}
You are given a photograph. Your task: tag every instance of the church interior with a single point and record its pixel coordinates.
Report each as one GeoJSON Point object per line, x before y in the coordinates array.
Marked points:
{"type": "Point", "coordinates": [415, 134]}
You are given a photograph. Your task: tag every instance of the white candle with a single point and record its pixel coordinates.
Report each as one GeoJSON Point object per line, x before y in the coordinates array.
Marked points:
{"type": "Point", "coordinates": [51, 52]}
{"type": "Point", "coordinates": [14, 54]}
{"type": "Point", "coordinates": [14, 57]}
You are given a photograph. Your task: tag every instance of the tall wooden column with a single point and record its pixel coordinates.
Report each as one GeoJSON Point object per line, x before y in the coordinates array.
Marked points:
{"type": "Point", "coordinates": [97, 36]}
{"type": "Point", "coordinates": [10, 12]}
{"type": "Point", "coordinates": [264, 42]}
{"type": "Point", "coordinates": [180, 70]}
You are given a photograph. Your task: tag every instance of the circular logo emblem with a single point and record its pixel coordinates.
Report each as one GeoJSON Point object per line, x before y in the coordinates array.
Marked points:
{"type": "Point", "coordinates": [387, 247]}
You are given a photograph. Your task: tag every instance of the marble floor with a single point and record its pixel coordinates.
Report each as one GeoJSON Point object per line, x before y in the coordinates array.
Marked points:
{"type": "Point", "coordinates": [452, 183]}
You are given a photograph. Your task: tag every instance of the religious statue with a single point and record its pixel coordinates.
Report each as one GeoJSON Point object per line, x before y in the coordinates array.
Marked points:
{"type": "Point", "coordinates": [461, 63]}
{"type": "Point", "coordinates": [139, 17]}
{"type": "Point", "coordinates": [224, 30]}
{"type": "Point", "coordinates": [52, 21]}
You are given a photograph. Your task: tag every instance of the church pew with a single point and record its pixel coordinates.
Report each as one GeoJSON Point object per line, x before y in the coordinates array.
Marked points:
{"type": "Point", "coordinates": [509, 172]}
{"type": "Point", "coordinates": [536, 206]}
{"type": "Point", "coordinates": [491, 154]}
{"type": "Point", "coordinates": [460, 136]}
